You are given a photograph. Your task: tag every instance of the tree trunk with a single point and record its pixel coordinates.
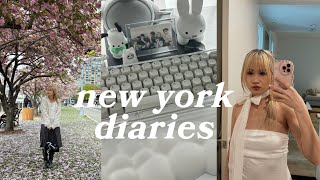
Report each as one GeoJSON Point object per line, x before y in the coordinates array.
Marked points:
{"type": "Point", "coordinates": [35, 110]}
{"type": "Point", "coordinates": [10, 117]}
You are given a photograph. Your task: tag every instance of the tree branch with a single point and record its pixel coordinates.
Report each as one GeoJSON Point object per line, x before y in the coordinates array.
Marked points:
{"type": "Point", "coordinates": [18, 55]}
{"type": "Point", "coordinates": [26, 74]}
{"type": "Point", "coordinates": [34, 77]}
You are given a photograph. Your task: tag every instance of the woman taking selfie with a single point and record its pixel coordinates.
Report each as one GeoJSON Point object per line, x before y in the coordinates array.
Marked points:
{"type": "Point", "coordinates": [261, 123]}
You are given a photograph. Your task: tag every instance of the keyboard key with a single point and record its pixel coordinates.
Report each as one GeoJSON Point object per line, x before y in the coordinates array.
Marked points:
{"type": "Point", "coordinates": [104, 73]}
{"type": "Point", "coordinates": [204, 56]}
{"type": "Point", "coordinates": [197, 89]}
{"type": "Point", "coordinates": [183, 68]}
{"type": "Point", "coordinates": [143, 75]}
{"type": "Point", "coordinates": [147, 83]}
{"type": "Point", "coordinates": [175, 86]}
{"type": "Point", "coordinates": [126, 87]}
{"type": "Point", "coordinates": [176, 61]}
{"type": "Point", "coordinates": [154, 90]}
{"type": "Point", "coordinates": [212, 87]}
{"type": "Point", "coordinates": [125, 70]}
{"type": "Point", "coordinates": [198, 73]}
{"type": "Point", "coordinates": [165, 87]}
{"type": "Point", "coordinates": [110, 81]}
{"type": "Point", "coordinates": [212, 55]}
{"type": "Point", "coordinates": [166, 63]}
{"type": "Point", "coordinates": [214, 78]}
{"type": "Point", "coordinates": [163, 71]}
{"type": "Point", "coordinates": [188, 75]}
{"type": "Point", "coordinates": [206, 80]}
{"type": "Point", "coordinates": [168, 79]}
{"type": "Point", "coordinates": [178, 77]}
{"type": "Point", "coordinates": [136, 68]}
{"type": "Point", "coordinates": [136, 85]}
{"type": "Point", "coordinates": [195, 58]}
{"type": "Point", "coordinates": [193, 66]}
{"type": "Point", "coordinates": [132, 77]}
{"type": "Point", "coordinates": [147, 91]}
{"type": "Point", "coordinates": [185, 60]}
{"type": "Point", "coordinates": [186, 84]}
{"type": "Point", "coordinates": [158, 81]}
{"type": "Point", "coordinates": [146, 67]}
{"type": "Point", "coordinates": [153, 73]}
{"type": "Point", "coordinates": [173, 70]}
{"type": "Point", "coordinates": [212, 63]}
{"type": "Point", "coordinates": [196, 82]}
{"type": "Point", "coordinates": [115, 88]}
{"type": "Point", "coordinates": [156, 65]}
{"type": "Point", "coordinates": [208, 71]}
{"type": "Point", "coordinates": [215, 70]}
{"type": "Point", "coordinates": [115, 72]}
{"type": "Point", "coordinates": [203, 64]}
{"type": "Point", "coordinates": [121, 79]}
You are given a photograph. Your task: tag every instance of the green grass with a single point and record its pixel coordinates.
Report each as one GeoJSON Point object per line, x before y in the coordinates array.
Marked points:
{"type": "Point", "coordinates": [71, 115]}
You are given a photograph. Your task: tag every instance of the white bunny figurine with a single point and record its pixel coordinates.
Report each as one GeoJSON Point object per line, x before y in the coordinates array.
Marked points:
{"type": "Point", "coordinates": [190, 26]}
{"type": "Point", "coordinates": [129, 56]}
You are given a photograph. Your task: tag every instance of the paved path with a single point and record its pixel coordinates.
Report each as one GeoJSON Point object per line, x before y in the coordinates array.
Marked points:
{"type": "Point", "coordinates": [92, 113]}
{"type": "Point", "coordinates": [79, 158]}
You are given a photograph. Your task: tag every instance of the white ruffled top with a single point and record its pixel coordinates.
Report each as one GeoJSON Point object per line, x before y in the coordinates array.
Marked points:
{"type": "Point", "coordinates": [50, 113]}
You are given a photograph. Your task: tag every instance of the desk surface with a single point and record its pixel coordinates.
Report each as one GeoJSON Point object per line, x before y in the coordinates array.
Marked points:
{"type": "Point", "coordinates": [209, 42]}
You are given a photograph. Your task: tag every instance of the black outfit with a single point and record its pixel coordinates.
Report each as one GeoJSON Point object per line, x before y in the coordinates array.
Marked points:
{"type": "Point", "coordinates": [50, 141]}
{"type": "Point", "coordinates": [26, 101]}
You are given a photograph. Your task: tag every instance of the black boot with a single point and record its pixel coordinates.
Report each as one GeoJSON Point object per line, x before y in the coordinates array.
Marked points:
{"type": "Point", "coordinates": [50, 159]}
{"type": "Point", "coordinates": [45, 158]}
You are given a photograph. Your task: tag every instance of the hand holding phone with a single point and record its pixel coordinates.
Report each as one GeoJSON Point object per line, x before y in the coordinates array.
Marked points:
{"type": "Point", "coordinates": [283, 70]}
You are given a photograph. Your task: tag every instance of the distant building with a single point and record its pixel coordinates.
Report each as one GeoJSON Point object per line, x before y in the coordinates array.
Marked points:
{"type": "Point", "coordinates": [91, 72]}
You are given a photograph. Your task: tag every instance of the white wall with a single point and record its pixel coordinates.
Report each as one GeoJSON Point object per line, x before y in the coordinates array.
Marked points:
{"type": "Point", "coordinates": [275, 43]}
{"type": "Point", "coordinates": [240, 29]}
{"type": "Point", "coordinates": [303, 50]}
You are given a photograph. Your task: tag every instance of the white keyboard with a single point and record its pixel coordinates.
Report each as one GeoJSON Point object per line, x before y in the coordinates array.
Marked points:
{"type": "Point", "coordinates": [194, 72]}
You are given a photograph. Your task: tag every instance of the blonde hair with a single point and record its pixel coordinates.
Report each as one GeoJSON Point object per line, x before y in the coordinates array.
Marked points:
{"type": "Point", "coordinates": [55, 92]}
{"type": "Point", "coordinates": [263, 60]}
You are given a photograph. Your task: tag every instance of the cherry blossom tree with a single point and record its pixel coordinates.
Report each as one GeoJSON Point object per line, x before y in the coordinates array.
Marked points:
{"type": "Point", "coordinates": [43, 38]}
{"type": "Point", "coordinates": [35, 89]}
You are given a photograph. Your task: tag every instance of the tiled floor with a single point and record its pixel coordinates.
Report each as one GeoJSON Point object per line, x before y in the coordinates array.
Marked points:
{"type": "Point", "coordinates": [298, 165]}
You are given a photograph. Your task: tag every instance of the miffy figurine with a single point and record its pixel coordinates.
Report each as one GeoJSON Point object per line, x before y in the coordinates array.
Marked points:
{"type": "Point", "coordinates": [190, 26]}
{"type": "Point", "coordinates": [117, 41]}
{"type": "Point", "coordinates": [129, 56]}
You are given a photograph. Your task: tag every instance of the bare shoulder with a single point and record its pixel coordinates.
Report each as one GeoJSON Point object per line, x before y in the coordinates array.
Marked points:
{"type": "Point", "coordinates": [236, 109]}
{"type": "Point", "coordinates": [235, 112]}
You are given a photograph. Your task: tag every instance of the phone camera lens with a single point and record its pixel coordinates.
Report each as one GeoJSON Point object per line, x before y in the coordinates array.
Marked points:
{"type": "Point", "coordinates": [288, 65]}
{"type": "Point", "coordinates": [288, 70]}
{"type": "Point", "coordinates": [283, 67]}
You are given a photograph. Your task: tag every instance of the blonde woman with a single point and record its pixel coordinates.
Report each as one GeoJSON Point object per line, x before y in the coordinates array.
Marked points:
{"type": "Point", "coordinates": [50, 137]}
{"type": "Point", "coordinates": [260, 125]}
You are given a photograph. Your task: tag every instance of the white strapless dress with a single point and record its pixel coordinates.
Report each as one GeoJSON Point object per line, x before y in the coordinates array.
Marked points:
{"type": "Point", "coordinates": [265, 155]}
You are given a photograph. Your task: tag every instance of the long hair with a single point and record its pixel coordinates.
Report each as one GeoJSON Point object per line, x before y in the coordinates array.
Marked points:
{"type": "Point", "coordinates": [55, 92]}
{"type": "Point", "coordinates": [263, 60]}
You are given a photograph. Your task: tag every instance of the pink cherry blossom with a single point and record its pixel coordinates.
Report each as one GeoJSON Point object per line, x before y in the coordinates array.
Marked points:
{"type": "Point", "coordinates": [42, 39]}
